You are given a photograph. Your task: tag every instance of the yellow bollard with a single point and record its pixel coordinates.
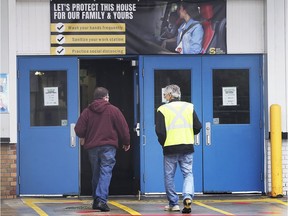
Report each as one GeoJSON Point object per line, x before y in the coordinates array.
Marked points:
{"type": "Point", "coordinates": [276, 150]}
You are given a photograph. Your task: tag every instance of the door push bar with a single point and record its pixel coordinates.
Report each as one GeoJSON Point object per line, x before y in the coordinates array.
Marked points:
{"type": "Point", "coordinates": [137, 129]}
{"type": "Point", "coordinates": [72, 136]}
{"type": "Point", "coordinates": [208, 133]}
{"type": "Point", "coordinates": [197, 140]}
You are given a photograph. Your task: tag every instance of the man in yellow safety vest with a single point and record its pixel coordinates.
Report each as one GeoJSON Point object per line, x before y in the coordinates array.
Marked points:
{"type": "Point", "coordinates": [176, 125]}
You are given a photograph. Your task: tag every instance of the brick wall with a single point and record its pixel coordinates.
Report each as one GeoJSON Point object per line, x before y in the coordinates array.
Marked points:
{"type": "Point", "coordinates": [8, 171]}
{"type": "Point", "coordinates": [284, 167]}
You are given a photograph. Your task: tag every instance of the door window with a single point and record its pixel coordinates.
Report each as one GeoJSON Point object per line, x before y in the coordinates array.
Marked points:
{"type": "Point", "coordinates": [48, 98]}
{"type": "Point", "coordinates": [231, 96]}
{"type": "Point", "coordinates": [162, 78]}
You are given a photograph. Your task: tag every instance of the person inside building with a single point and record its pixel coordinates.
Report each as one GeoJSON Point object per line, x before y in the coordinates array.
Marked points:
{"type": "Point", "coordinates": [101, 128]}
{"type": "Point", "coordinates": [176, 125]}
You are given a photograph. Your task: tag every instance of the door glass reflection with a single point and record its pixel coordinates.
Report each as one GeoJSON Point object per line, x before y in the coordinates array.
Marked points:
{"type": "Point", "coordinates": [162, 78]}
{"type": "Point", "coordinates": [48, 98]}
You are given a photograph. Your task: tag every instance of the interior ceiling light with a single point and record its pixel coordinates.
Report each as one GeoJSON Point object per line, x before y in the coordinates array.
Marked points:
{"type": "Point", "coordinates": [39, 73]}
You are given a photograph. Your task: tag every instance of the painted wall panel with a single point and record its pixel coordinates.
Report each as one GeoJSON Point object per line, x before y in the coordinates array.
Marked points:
{"type": "Point", "coordinates": [8, 66]}
{"type": "Point", "coordinates": [277, 79]}
{"type": "Point", "coordinates": [245, 26]}
{"type": "Point", "coordinates": [277, 56]}
{"type": "Point", "coordinates": [33, 27]}
{"type": "Point", "coordinates": [4, 66]}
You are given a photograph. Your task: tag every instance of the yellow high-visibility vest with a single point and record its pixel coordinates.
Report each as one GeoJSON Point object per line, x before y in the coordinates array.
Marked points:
{"type": "Point", "coordinates": [179, 122]}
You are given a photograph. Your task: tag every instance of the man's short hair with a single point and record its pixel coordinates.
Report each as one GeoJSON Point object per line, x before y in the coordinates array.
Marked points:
{"type": "Point", "coordinates": [174, 90]}
{"type": "Point", "coordinates": [100, 92]}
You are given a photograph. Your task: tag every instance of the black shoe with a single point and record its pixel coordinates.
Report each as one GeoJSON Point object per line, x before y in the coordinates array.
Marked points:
{"type": "Point", "coordinates": [187, 206]}
{"type": "Point", "coordinates": [95, 204]}
{"type": "Point", "coordinates": [103, 207]}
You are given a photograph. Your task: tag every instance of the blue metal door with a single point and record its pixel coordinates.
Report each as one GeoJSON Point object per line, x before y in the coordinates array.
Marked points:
{"type": "Point", "coordinates": [48, 156]}
{"type": "Point", "coordinates": [232, 143]}
{"type": "Point", "coordinates": [158, 72]}
{"type": "Point", "coordinates": [226, 92]}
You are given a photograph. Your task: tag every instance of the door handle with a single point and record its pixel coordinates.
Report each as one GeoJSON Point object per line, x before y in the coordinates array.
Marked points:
{"type": "Point", "coordinates": [197, 140]}
{"type": "Point", "coordinates": [72, 136]}
{"type": "Point", "coordinates": [137, 129]}
{"type": "Point", "coordinates": [208, 133]}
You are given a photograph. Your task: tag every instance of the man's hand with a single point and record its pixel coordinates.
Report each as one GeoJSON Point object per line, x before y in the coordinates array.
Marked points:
{"type": "Point", "coordinates": [126, 147]}
{"type": "Point", "coordinates": [82, 141]}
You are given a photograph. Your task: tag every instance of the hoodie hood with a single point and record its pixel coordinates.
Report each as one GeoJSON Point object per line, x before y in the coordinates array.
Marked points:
{"type": "Point", "coordinates": [99, 105]}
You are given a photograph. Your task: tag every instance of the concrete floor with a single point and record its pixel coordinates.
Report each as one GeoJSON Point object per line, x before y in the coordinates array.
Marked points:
{"type": "Point", "coordinates": [204, 205]}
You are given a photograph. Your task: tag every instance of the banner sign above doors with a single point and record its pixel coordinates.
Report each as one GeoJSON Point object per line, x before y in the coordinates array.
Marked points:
{"type": "Point", "coordinates": [123, 27]}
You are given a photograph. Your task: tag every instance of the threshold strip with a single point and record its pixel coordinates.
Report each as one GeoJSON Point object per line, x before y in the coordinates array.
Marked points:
{"type": "Point", "coordinates": [212, 208]}
{"type": "Point", "coordinates": [125, 208]}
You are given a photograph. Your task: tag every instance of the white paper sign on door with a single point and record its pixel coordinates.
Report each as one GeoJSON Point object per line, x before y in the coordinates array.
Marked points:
{"type": "Point", "coordinates": [229, 95]}
{"type": "Point", "coordinates": [51, 96]}
{"type": "Point", "coordinates": [162, 95]}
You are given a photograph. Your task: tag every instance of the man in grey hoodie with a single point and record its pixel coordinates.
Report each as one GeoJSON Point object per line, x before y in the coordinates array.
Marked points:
{"type": "Point", "coordinates": [103, 127]}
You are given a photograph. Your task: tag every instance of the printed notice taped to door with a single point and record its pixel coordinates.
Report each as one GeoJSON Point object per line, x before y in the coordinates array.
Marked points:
{"type": "Point", "coordinates": [229, 95]}
{"type": "Point", "coordinates": [51, 96]}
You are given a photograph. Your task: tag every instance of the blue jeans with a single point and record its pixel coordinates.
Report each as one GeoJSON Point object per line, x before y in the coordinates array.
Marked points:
{"type": "Point", "coordinates": [102, 161]}
{"type": "Point", "coordinates": [170, 164]}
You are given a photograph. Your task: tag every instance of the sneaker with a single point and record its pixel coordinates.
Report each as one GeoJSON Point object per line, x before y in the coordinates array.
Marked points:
{"type": "Point", "coordinates": [95, 204]}
{"type": "Point", "coordinates": [187, 206]}
{"type": "Point", "coordinates": [172, 208]}
{"type": "Point", "coordinates": [103, 207]}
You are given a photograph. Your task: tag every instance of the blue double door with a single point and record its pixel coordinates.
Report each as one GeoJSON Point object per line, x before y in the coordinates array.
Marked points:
{"type": "Point", "coordinates": [226, 93]}
{"type": "Point", "coordinates": [52, 93]}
